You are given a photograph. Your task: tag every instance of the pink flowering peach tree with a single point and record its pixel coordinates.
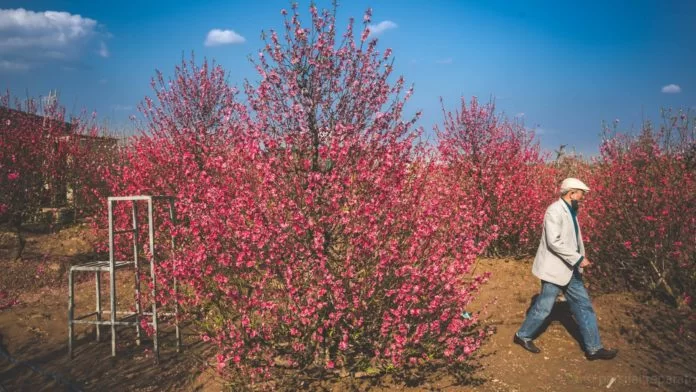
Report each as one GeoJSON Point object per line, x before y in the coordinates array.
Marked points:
{"type": "Point", "coordinates": [35, 145]}
{"type": "Point", "coordinates": [642, 209]}
{"type": "Point", "coordinates": [498, 169]}
{"type": "Point", "coordinates": [315, 229]}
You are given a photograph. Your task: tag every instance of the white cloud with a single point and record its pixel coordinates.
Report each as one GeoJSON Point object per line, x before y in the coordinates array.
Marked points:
{"type": "Point", "coordinates": [217, 37]}
{"type": "Point", "coordinates": [13, 65]}
{"type": "Point", "coordinates": [519, 115]}
{"type": "Point", "coordinates": [122, 108]}
{"type": "Point", "coordinates": [25, 29]}
{"type": "Point", "coordinates": [448, 60]}
{"type": "Point", "coordinates": [671, 89]}
{"type": "Point", "coordinates": [103, 50]}
{"type": "Point", "coordinates": [381, 27]}
{"type": "Point", "coordinates": [35, 38]}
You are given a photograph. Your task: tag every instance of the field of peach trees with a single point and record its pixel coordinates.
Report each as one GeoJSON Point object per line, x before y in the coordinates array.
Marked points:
{"type": "Point", "coordinates": [317, 227]}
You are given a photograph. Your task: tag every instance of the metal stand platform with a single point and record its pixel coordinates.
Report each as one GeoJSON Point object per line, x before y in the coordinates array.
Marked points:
{"type": "Point", "coordinates": [110, 266]}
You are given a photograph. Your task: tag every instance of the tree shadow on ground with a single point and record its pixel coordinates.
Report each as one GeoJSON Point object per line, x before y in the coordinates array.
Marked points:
{"type": "Point", "coordinates": [666, 338]}
{"type": "Point", "coordinates": [92, 368]}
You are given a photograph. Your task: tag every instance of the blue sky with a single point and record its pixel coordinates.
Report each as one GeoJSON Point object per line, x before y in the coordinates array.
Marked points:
{"type": "Point", "coordinates": [563, 69]}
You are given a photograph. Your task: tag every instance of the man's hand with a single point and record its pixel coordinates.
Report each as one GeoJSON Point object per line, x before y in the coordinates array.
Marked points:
{"type": "Point", "coordinates": [585, 263]}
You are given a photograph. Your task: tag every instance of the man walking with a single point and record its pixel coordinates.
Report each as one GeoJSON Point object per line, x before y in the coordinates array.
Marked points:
{"type": "Point", "coordinates": [559, 263]}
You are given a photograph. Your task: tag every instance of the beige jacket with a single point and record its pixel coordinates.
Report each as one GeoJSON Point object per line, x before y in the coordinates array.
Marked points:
{"type": "Point", "coordinates": [558, 251]}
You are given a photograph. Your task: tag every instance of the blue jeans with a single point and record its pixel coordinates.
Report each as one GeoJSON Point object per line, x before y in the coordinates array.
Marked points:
{"type": "Point", "coordinates": [580, 306]}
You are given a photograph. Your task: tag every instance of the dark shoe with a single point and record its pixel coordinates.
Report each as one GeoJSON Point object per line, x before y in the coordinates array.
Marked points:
{"type": "Point", "coordinates": [527, 345]}
{"type": "Point", "coordinates": [602, 353]}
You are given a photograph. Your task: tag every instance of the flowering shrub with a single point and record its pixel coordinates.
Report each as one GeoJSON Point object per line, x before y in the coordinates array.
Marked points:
{"type": "Point", "coordinates": [642, 210]}
{"type": "Point", "coordinates": [35, 146]}
{"type": "Point", "coordinates": [500, 172]}
{"type": "Point", "coordinates": [315, 229]}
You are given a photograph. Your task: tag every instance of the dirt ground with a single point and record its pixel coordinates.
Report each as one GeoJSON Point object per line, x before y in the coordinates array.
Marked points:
{"type": "Point", "coordinates": [656, 342]}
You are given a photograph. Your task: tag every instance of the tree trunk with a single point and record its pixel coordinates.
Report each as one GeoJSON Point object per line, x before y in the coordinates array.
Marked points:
{"type": "Point", "coordinates": [21, 242]}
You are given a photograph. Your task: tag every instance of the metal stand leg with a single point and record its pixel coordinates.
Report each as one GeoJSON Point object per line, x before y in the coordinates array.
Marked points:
{"type": "Point", "coordinates": [138, 309]}
{"type": "Point", "coordinates": [172, 217]}
{"type": "Point", "coordinates": [112, 278]}
{"type": "Point", "coordinates": [176, 318]}
{"type": "Point", "coordinates": [151, 230]}
{"type": "Point", "coordinates": [71, 309]}
{"type": "Point", "coordinates": [97, 276]}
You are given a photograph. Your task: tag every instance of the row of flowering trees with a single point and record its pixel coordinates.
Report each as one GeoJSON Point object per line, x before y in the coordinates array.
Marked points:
{"type": "Point", "coordinates": [642, 214]}
{"type": "Point", "coordinates": [317, 230]}
{"type": "Point", "coordinates": [30, 154]}
{"type": "Point", "coordinates": [41, 152]}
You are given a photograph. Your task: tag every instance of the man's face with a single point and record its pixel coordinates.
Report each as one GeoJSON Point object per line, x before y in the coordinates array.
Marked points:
{"type": "Point", "coordinates": [577, 194]}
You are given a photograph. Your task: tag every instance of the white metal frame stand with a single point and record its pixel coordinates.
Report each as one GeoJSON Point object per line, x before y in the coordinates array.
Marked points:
{"type": "Point", "coordinates": [111, 266]}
